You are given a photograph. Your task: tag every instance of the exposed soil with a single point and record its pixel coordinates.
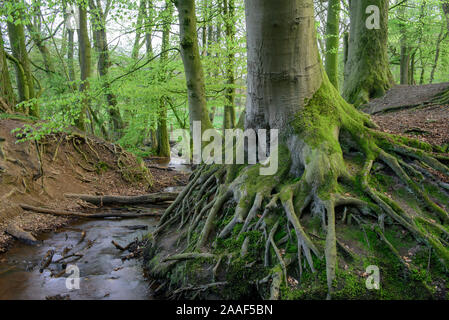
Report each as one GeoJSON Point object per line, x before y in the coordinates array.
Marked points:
{"type": "Point", "coordinates": [401, 96]}
{"type": "Point", "coordinates": [429, 124]}
{"type": "Point", "coordinates": [70, 163]}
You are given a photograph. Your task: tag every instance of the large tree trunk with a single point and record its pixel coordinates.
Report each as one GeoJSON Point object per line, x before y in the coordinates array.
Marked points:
{"type": "Point", "coordinates": [367, 72]}
{"type": "Point", "coordinates": [332, 40]}
{"type": "Point", "coordinates": [85, 67]}
{"type": "Point", "coordinates": [139, 27]}
{"type": "Point", "coordinates": [101, 46]}
{"type": "Point", "coordinates": [163, 145]}
{"type": "Point", "coordinates": [190, 53]}
{"type": "Point", "coordinates": [287, 28]}
{"type": "Point", "coordinates": [7, 97]}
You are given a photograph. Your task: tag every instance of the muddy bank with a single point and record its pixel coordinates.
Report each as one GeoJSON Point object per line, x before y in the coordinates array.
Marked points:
{"type": "Point", "coordinates": [39, 174]}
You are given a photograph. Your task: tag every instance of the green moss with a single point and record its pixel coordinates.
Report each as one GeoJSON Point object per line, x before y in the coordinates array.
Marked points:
{"type": "Point", "coordinates": [101, 167]}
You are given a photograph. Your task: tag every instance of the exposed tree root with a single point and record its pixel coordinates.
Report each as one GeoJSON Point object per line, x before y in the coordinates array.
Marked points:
{"type": "Point", "coordinates": [310, 182]}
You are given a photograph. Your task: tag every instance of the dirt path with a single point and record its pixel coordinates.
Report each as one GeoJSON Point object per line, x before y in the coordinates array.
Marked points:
{"type": "Point", "coordinates": [402, 96]}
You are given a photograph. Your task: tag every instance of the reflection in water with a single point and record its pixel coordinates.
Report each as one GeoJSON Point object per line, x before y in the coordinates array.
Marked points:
{"type": "Point", "coordinates": [103, 275]}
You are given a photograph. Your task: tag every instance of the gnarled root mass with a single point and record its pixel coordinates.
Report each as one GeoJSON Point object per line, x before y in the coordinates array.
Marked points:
{"type": "Point", "coordinates": [232, 219]}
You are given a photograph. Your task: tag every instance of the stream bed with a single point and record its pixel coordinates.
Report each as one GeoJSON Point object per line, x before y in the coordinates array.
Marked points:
{"type": "Point", "coordinates": [102, 273]}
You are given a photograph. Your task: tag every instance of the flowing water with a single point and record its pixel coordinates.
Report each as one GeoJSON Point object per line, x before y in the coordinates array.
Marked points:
{"type": "Point", "coordinates": [102, 272]}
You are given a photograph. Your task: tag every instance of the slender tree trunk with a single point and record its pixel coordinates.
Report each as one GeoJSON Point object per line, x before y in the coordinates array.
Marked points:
{"type": "Point", "coordinates": [229, 108]}
{"type": "Point", "coordinates": [149, 20]}
{"type": "Point", "coordinates": [404, 64]}
{"type": "Point", "coordinates": [101, 46]}
{"type": "Point", "coordinates": [441, 36]}
{"type": "Point", "coordinates": [163, 146]}
{"type": "Point", "coordinates": [24, 76]}
{"type": "Point", "coordinates": [332, 41]}
{"type": "Point", "coordinates": [35, 33]}
{"type": "Point", "coordinates": [196, 89]}
{"type": "Point", "coordinates": [345, 48]}
{"type": "Point", "coordinates": [70, 54]}
{"type": "Point", "coordinates": [69, 46]}
{"type": "Point", "coordinates": [405, 48]}
{"type": "Point", "coordinates": [367, 72]}
{"type": "Point", "coordinates": [412, 68]}
{"type": "Point", "coordinates": [216, 40]}
{"type": "Point", "coordinates": [137, 40]}
{"type": "Point", "coordinates": [85, 66]}
{"type": "Point", "coordinates": [7, 97]}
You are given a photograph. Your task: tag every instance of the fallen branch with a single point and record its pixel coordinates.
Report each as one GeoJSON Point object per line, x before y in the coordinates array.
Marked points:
{"type": "Point", "coordinates": [46, 261]}
{"type": "Point", "coordinates": [159, 168]}
{"type": "Point", "coordinates": [77, 255]}
{"type": "Point", "coordinates": [188, 256]}
{"type": "Point", "coordinates": [88, 216]}
{"type": "Point", "coordinates": [21, 235]}
{"type": "Point", "coordinates": [108, 200]}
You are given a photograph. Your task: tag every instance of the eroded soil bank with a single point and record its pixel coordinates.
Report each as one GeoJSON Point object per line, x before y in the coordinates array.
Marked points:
{"type": "Point", "coordinates": [39, 174]}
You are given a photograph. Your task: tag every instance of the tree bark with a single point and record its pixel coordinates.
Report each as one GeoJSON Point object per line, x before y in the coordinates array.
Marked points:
{"type": "Point", "coordinates": [149, 20]}
{"type": "Point", "coordinates": [441, 36]}
{"type": "Point", "coordinates": [101, 46]}
{"type": "Point", "coordinates": [289, 90]}
{"type": "Point", "coordinates": [70, 46]}
{"type": "Point", "coordinates": [367, 72]}
{"type": "Point", "coordinates": [152, 198]}
{"type": "Point", "coordinates": [163, 145]}
{"type": "Point", "coordinates": [7, 96]}
{"type": "Point", "coordinates": [36, 36]}
{"type": "Point", "coordinates": [85, 67]}
{"type": "Point", "coordinates": [332, 41]}
{"type": "Point", "coordinates": [229, 108]}
{"type": "Point", "coordinates": [196, 89]}
{"type": "Point", "coordinates": [137, 40]}
{"type": "Point", "coordinates": [24, 77]}
{"type": "Point", "coordinates": [405, 48]}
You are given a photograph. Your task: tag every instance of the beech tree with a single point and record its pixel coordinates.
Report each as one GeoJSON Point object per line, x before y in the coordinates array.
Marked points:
{"type": "Point", "coordinates": [163, 145]}
{"type": "Point", "coordinates": [289, 90]}
{"type": "Point", "coordinates": [24, 77]}
{"type": "Point", "coordinates": [367, 71]}
{"type": "Point", "coordinates": [229, 109]}
{"type": "Point", "coordinates": [7, 97]}
{"type": "Point", "coordinates": [190, 53]}
{"type": "Point", "coordinates": [332, 40]}
{"type": "Point", "coordinates": [84, 52]}
{"type": "Point", "coordinates": [101, 46]}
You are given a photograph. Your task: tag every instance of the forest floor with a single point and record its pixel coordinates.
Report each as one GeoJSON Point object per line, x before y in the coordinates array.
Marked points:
{"type": "Point", "coordinates": [426, 123]}
{"type": "Point", "coordinates": [404, 96]}
{"type": "Point", "coordinates": [69, 163]}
